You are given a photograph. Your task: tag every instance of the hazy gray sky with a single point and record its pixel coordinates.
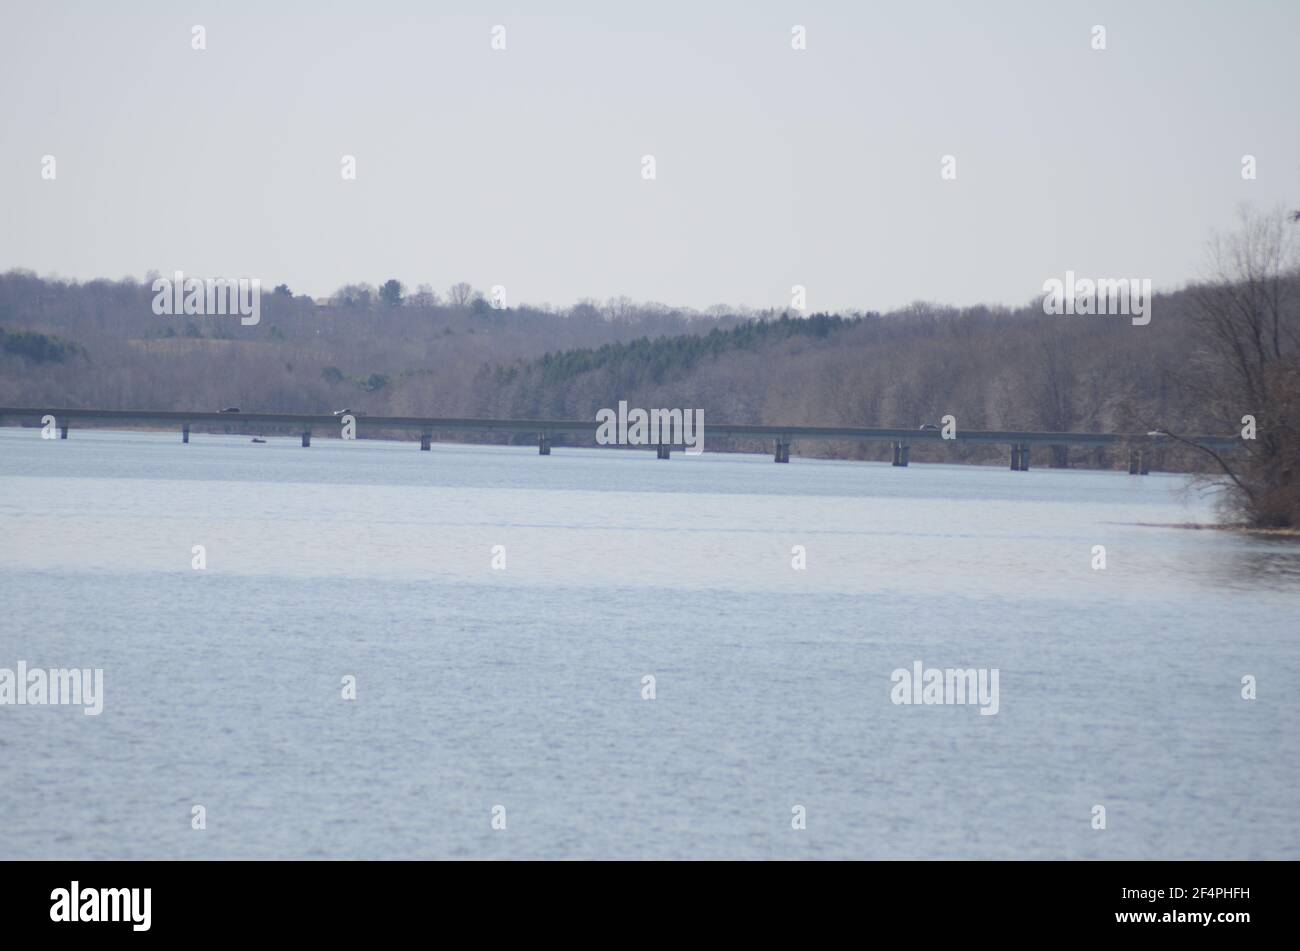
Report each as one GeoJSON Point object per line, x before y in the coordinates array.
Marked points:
{"type": "Point", "coordinates": [522, 167]}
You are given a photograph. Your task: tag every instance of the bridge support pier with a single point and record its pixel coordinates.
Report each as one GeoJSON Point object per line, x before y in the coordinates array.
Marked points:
{"type": "Point", "coordinates": [782, 451]}
{"type": "Point", "coordinates": [63, 431]}
{"type": "Point", "coordinates": [663, 450]}
{"type": "Point", "coordinates": [544, 444]}
{"type": "Point", "coordinates": [1138, 462]}
{"type": "Point", "coordinates": [185, 434]}
{"type": "Point", "coordinates": [306, 438]}
{"type": "Point", "coordinates": [1020, 457]}
{"type": "Point", "coordinates": [1024, 457]}
{"type": "Point", "coordinates": [426, 441]}
{"type": "Point", "coordinates": [901, 452]}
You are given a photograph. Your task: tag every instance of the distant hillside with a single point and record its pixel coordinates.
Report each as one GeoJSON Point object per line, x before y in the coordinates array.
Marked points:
{"type": "Point", "coordinates": [100, 344]}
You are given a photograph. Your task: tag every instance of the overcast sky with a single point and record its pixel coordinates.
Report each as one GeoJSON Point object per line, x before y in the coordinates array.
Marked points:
{"type": "Point", "coordinates": [523, 167]}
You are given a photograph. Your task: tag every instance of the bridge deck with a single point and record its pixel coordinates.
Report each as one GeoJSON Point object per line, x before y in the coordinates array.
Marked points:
{"type": "Point", "coordinates": [432, 424]}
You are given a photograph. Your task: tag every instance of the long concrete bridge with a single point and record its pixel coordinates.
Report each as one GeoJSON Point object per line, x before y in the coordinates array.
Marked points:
{"type": "Point", "coordinates": [1020, 442]}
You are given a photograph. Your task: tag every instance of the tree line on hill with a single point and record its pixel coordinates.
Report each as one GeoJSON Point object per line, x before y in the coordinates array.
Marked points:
{"type": "Point", "coordinates": [1216, 352]}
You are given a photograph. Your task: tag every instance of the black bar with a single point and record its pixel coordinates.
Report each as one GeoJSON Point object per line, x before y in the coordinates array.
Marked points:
{"type": "Point", "coordinates": [979, 903]}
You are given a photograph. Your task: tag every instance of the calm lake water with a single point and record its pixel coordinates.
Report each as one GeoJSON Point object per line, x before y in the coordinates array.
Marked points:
{"type": "Point", "coordinates": [521, 686]}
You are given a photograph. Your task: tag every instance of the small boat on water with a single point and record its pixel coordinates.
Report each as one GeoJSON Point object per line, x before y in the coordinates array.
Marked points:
{"type": "Point", "coordinates": [258, 439]}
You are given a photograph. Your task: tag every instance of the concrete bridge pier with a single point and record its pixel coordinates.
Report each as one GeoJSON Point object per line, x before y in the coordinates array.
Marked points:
{"type": "Point", "coordinates": [1024, 457]}
{"type": "Point", "coordinates": [663, 450]}
{"type": "Point", "coordinates": [782, 451]}
{"type": "Point", "coordinates": [63, 431]}
{"type": "Point", "coordinates": [306, 438]}
{"type": "Point", "coordinates": [544, 444]}
{"type": "Point", "coordinates": [902, 451]}
{"type": "Point", "coordinates": [1020, 457]}
{"type": "Point", "coordinates": [1139, 462]}
{"type": "Point", "coordinates": [185, 434]}
{"type": "Point", "coordinates": [426, 441]}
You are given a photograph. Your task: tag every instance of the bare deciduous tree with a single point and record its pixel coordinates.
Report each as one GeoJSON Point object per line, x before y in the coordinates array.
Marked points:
{"type": "Point", "coordinates": [1247, 316]}
{"type": "Point", "coordinates": [459, 294]}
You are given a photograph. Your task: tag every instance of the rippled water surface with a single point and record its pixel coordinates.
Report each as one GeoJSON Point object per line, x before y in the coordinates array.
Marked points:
{"type": "Point", "coordinates": [522, 686]}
